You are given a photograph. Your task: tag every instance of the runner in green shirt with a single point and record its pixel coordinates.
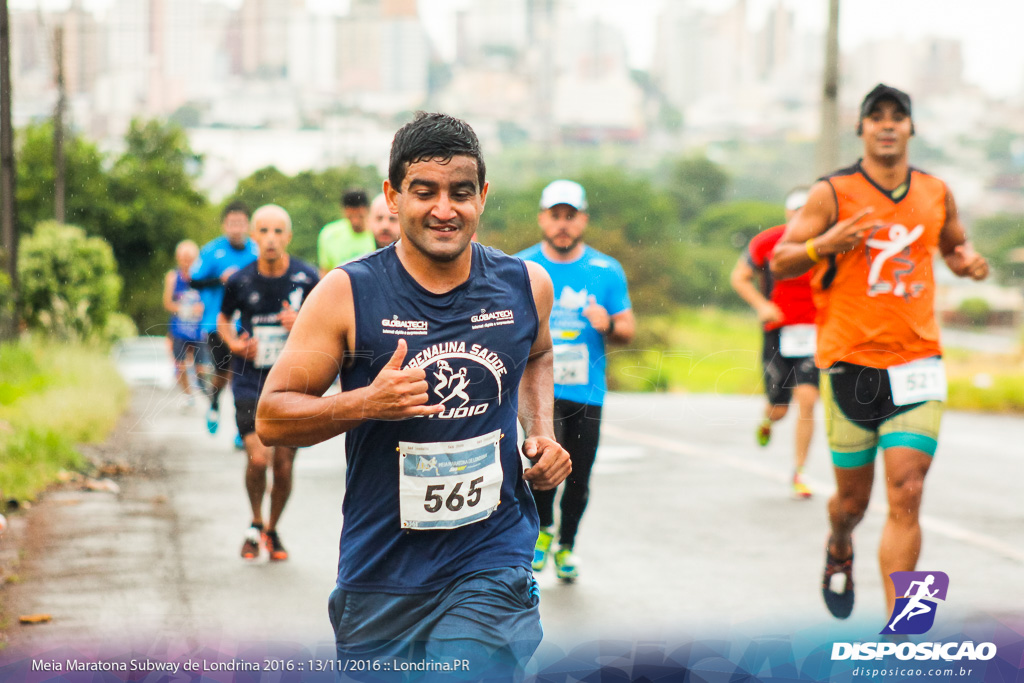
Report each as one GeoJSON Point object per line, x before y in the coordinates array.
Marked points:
{"type": "Point", "coordinates": [347, 238]}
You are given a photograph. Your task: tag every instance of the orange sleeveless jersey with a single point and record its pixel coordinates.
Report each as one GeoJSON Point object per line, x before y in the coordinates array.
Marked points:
{"type": "Point", "coordinates": [879, 309]}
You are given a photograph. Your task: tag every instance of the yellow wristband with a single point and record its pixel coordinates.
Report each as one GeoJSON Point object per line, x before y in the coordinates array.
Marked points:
{"type": "Point", "coordinates": [809, 244]}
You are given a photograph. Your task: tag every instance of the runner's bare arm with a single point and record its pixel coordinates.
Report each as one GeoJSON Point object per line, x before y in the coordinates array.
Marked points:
{"type": "Point", "coordinates": [293, 410]}
{"type": "Point", "coordinates": [169, 304]}
{"type": "Point", "coordinates": [742, 281]}
{"type": "Point", "coordinates": [956, 250]}
{"type": "Point", "coordinates": [623, 327]}
{"type": "Point", "coordinates": [537, 395]}
{"type": "Point", "coordinates": [814, 229]}
{"type": "Point", "coordinates": [616, 329]}
{"type": "Point", "coordinates": [241, 345]}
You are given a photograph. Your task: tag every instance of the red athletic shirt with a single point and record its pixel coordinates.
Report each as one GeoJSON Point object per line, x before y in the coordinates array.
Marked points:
{"type": "Point", "coordinates": [792, 295]}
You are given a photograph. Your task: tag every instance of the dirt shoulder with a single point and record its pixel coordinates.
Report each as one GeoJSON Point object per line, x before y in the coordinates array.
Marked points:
{"type": "Point", "coordinates": [71, 533]}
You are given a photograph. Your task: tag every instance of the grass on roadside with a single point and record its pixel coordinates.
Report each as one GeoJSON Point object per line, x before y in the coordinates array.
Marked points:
{"type": "Point", "coordinates": [691, 350]}
{"type": "Point", "coordinates": [985, 382]}
{"type": "Point", "coordinates": [53, 396]}
{"type": "Point", "coordinates": [719, 352]}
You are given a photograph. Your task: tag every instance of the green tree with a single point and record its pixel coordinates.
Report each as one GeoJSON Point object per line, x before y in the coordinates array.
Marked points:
{"type": "Point", "coordinates": [312, 198]}
{"type": "Point", "coordinates": [975, 311]}
{"type": "Point", "coordinates": [998, 146]}
{"type": "Point", "coordinates": [69, 281]}
{"type": "Point", "coordinates": [157, 206]}
{"type": "Point", "coordinates": [142, 202]}
{"type": "Point", "coordinates": [696, 182]}
{"type": "Point", "coordinates": [87, 199]}
{"type": "Point", "coordinates": [997, 238]}
{"type": "Point", "coordinates": [735, 223]}
{"type": "Point", "coordinates": [630, 220]}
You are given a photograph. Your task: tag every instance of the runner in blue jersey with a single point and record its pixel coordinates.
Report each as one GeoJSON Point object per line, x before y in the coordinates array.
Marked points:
{"type": "Point", "coordinates": [186, 309]}
{"type": "Point", "coordinates": [591, 309]}
{"type": "Point", "coordinates": [266, 296]}
{"type": "Point", "coordinates": [218, 260]}
{"type": "Point", "coordinates": [442, 345]}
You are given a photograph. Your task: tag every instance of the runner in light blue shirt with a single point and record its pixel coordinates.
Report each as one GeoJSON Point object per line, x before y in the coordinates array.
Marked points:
{"type": "Point", "coordinates": [591, 308]}
{"type": "Point", "coordinates": [218, 260]}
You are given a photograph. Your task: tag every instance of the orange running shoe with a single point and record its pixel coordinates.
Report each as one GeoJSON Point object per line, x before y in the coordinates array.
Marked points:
{"type": "Point", "coordinates": [274, 546]}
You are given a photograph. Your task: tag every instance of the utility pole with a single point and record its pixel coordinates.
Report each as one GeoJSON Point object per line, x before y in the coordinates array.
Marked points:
{"type": "Point", "coordinates": [8, 210]}
{"type": "Point", "coordinates": [828, 139]}
{"type": "Point", "coordinates": [58, 129]}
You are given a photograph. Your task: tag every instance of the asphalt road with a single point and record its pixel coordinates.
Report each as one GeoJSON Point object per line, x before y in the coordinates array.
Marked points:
{"type": "Point", "coordinates": [690, 532]}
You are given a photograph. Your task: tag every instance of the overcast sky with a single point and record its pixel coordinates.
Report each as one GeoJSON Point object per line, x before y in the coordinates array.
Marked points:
{"type": "Point", "coordinates": [992, 31]}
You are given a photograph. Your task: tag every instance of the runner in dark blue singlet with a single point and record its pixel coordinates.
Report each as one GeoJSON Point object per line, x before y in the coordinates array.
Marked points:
{"type": "Point", "coordinates": [186, 309]}
{"type": "Point", "coordinates": [442, 345]}
{"type": "Point", "coordinates": [265, 296]}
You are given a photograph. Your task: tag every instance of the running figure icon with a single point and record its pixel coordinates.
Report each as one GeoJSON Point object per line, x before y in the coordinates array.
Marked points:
{"type": "Point", "coordinates": [454, 382]}
{"type": "Point", "coordinates": [915, 604]}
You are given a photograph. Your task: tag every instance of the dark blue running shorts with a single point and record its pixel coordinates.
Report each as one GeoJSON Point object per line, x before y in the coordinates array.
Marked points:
{"type": "Point", "coordinates": [482, 626]}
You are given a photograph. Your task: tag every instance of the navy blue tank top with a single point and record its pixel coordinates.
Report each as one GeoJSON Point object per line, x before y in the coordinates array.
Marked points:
{"type": "Point", "coordinates": [185, 323]}
{"type": "Point", "coordinates": [429, 499]}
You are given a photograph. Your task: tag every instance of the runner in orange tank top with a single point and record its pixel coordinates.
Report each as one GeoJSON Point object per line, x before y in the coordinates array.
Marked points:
{"type": "Point", "coordinates": [870, 233]}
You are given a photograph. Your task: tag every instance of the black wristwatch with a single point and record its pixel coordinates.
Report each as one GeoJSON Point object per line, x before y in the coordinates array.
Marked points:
{"type": "Point", "coordinates": [611, 327]}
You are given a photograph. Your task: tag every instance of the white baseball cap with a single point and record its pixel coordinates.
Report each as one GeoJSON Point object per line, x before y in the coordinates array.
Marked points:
{"type": "Point", "coordinates": [564, 192]}
{"type": "Point", "coordinates": [796, 199]}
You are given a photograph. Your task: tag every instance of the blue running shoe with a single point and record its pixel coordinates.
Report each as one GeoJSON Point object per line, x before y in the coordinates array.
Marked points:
{"type": "Point", "coordinates": [239, 444]}
{"type": "Point", "coordinates": [212, 420]}
{"type": "Point", "coordinates": [542, 548]}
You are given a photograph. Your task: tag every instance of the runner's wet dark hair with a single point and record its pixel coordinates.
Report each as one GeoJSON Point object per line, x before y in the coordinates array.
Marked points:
{"type": "Point", "coordinates": [433, 137]}
{"type": "Point", "coordinates": [354, 199]}
{"type": "Point", "coordinates": [236, 205]}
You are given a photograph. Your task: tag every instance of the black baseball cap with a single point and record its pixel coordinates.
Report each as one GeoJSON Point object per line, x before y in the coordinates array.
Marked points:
{"type": "Point", "coordinates": [884, 92]}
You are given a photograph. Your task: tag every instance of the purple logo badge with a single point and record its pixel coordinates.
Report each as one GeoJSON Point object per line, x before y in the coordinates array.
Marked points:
{"type": "Point", "coordinates": [916, 595]}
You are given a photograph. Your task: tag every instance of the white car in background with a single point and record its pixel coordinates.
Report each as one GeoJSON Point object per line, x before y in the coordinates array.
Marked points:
{"type": "Point", "coordinates": [145, 361]}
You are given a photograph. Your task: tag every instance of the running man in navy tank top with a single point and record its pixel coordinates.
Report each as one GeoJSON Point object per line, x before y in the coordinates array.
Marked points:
{"type": "Point", "coordinates": [264, 297]}
{"type": "Point", "coordinates": [442, 345]}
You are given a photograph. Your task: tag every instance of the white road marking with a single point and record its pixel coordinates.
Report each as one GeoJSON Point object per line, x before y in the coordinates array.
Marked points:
{"type": "Point", "coordinates": [936, 525]}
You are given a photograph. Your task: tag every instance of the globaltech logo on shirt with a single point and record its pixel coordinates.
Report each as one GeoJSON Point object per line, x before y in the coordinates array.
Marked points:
{"type": "Point", "coordinates": [484, 319]}
{"type": "Point", "coordinates": [914, 613]}
{"type": "Point", "coordinates": [404, 327]}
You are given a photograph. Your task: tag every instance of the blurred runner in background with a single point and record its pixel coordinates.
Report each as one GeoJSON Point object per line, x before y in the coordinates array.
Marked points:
{"type": "Point", "coordinates": [786, 311]}
{"type": "Point", "coordinates": [218, 260]}
{"type": "Point", "coordinates": [186, 309]}
{"type": "Point", "coordinates": [266, 296]}
{"type": "Point", "coordinates": [591, 308]}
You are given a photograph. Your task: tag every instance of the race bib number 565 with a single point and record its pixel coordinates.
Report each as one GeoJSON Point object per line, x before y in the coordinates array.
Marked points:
{"type": "Point", "coordinates": [449, 484]}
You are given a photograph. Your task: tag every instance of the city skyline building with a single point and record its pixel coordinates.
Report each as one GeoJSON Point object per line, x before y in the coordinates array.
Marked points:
{"type": "Point", "coordinates": [535, 72]}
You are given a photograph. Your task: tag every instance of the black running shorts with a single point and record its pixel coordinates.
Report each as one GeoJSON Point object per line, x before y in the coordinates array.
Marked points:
{"type": "Point", "coordinates": [245, 416]}
{"type": "Point", "coordinates": [219, 352]}
{"type": "Point", "coordinates": [781, 374]}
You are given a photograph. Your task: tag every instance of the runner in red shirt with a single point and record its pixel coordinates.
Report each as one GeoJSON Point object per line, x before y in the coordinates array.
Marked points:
{"type": "Point", "coordinates": [786, 311]}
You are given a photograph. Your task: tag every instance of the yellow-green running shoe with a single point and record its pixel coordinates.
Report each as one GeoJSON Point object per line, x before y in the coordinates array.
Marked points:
{"type": "Point", "coordinates": [764, 432]}
{"type": "Point", "coordinates": [800, 488]}
{"type": "Point", "coordinates": [565, 565]}
{"type": "Point", "coordinates": [542, 548]}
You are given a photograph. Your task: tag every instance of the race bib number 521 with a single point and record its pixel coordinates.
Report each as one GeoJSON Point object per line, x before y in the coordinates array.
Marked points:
{"type": "Point", "coordinates": [449, 484]}
{"type": "Point", "coordinates": [921, 380]}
